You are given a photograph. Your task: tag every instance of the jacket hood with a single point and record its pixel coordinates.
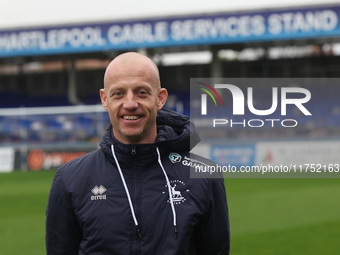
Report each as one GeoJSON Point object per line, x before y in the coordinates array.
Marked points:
{"type": "Point", "coordinates": [175, 132]}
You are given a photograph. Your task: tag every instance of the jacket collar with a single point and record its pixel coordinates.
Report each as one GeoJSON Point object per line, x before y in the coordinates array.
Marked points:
{"type": "Point", "coordinates": [175, 132]}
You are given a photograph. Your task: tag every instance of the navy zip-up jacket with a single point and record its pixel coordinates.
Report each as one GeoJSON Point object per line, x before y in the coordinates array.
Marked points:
{"type": "Point", "coordinates": [88, 209]}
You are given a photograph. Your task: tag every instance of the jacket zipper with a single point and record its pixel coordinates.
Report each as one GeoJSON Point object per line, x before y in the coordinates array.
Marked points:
{"type": "Point", "coordinates": [135, 240]}
{"type": "Point", "coordinates": [133, 150]}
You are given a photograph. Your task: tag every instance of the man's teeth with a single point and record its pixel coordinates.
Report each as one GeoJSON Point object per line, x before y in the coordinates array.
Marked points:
{"type": "Point", "coordinates": [132, 117]}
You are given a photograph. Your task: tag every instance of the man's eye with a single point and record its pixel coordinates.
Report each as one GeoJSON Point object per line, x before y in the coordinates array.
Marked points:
{"type": "Point", "coordinates": [143, 92]}
{"type": "Point", "coordinates": [118, 93]}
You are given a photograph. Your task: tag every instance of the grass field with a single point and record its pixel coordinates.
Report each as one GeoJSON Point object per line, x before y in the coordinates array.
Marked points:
{"type": "Point", "coordinates": [268, 216]}
{"type": "Point", "coordinates": [23, 197]}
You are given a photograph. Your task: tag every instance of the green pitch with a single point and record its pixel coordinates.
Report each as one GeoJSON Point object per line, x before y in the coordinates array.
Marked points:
{"type": "Point", "coordinates": [284, 216]}
{"type": "Point", "coordinates": [23, 198]}
{"type": "Point", "coordinates": [267, 216]}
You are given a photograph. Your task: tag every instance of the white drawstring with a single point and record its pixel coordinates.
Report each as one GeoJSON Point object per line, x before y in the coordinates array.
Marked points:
{"type": "Point", "coordinates": [170, 194]}
{"type": "Point", "coordinates": [127, 191]}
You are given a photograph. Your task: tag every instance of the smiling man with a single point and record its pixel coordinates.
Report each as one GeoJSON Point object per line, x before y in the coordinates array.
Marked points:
{"type": "Point", "coordinates": [134, 195]}
{"type": "Point", "coordinates": [132, 95]}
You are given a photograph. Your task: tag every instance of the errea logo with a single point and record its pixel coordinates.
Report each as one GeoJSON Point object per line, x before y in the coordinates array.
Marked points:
{"type": "Point", "coordinates": [175, 157]}
{"type": "Point", "coordinates": [98, 192]}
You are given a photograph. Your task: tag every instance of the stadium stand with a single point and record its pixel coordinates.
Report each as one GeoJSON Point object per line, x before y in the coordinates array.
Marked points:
{"type": "Point", "coordinates": [74, 78]}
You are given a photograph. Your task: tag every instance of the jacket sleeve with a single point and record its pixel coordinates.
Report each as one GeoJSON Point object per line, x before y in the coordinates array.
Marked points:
{"type": "Point", "coordinates": [63, 234]}
{"type": "Point", "coordinates": [213, 235]}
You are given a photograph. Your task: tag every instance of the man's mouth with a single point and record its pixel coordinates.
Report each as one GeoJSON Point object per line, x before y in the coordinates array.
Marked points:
{"type": "Point", "coordinates": [131, 117]}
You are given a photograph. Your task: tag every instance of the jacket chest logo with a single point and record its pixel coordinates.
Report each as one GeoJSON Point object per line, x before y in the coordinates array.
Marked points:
{"type": "Point", "coordinates": [177, 193]}
{"type": "Point", "coordinates": [175, 157]}
{"type": "Point", "coordinates": [98, 193]}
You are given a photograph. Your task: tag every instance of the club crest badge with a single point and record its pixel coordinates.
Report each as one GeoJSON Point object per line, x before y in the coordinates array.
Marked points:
{"type": "Point", "coordinates": [178, 192]}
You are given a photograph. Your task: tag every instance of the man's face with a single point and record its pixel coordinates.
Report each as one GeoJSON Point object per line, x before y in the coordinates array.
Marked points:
{"type": "Point", "coordinates": [132, 97]}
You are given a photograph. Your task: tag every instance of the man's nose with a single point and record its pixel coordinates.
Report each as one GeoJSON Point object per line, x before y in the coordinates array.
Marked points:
{"type": "Point", "coordinates": [130, 101]}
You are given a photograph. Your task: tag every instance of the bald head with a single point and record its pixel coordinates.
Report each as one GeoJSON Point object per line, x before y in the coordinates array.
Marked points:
{"type": "Point", "coordinates": [131, 64]}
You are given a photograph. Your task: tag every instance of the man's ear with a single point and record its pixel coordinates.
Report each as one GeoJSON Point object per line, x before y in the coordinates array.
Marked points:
{"type": "Point", "coordinates": [162, 97]}
{"type": "Point", "coordinates": [103, 98]}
